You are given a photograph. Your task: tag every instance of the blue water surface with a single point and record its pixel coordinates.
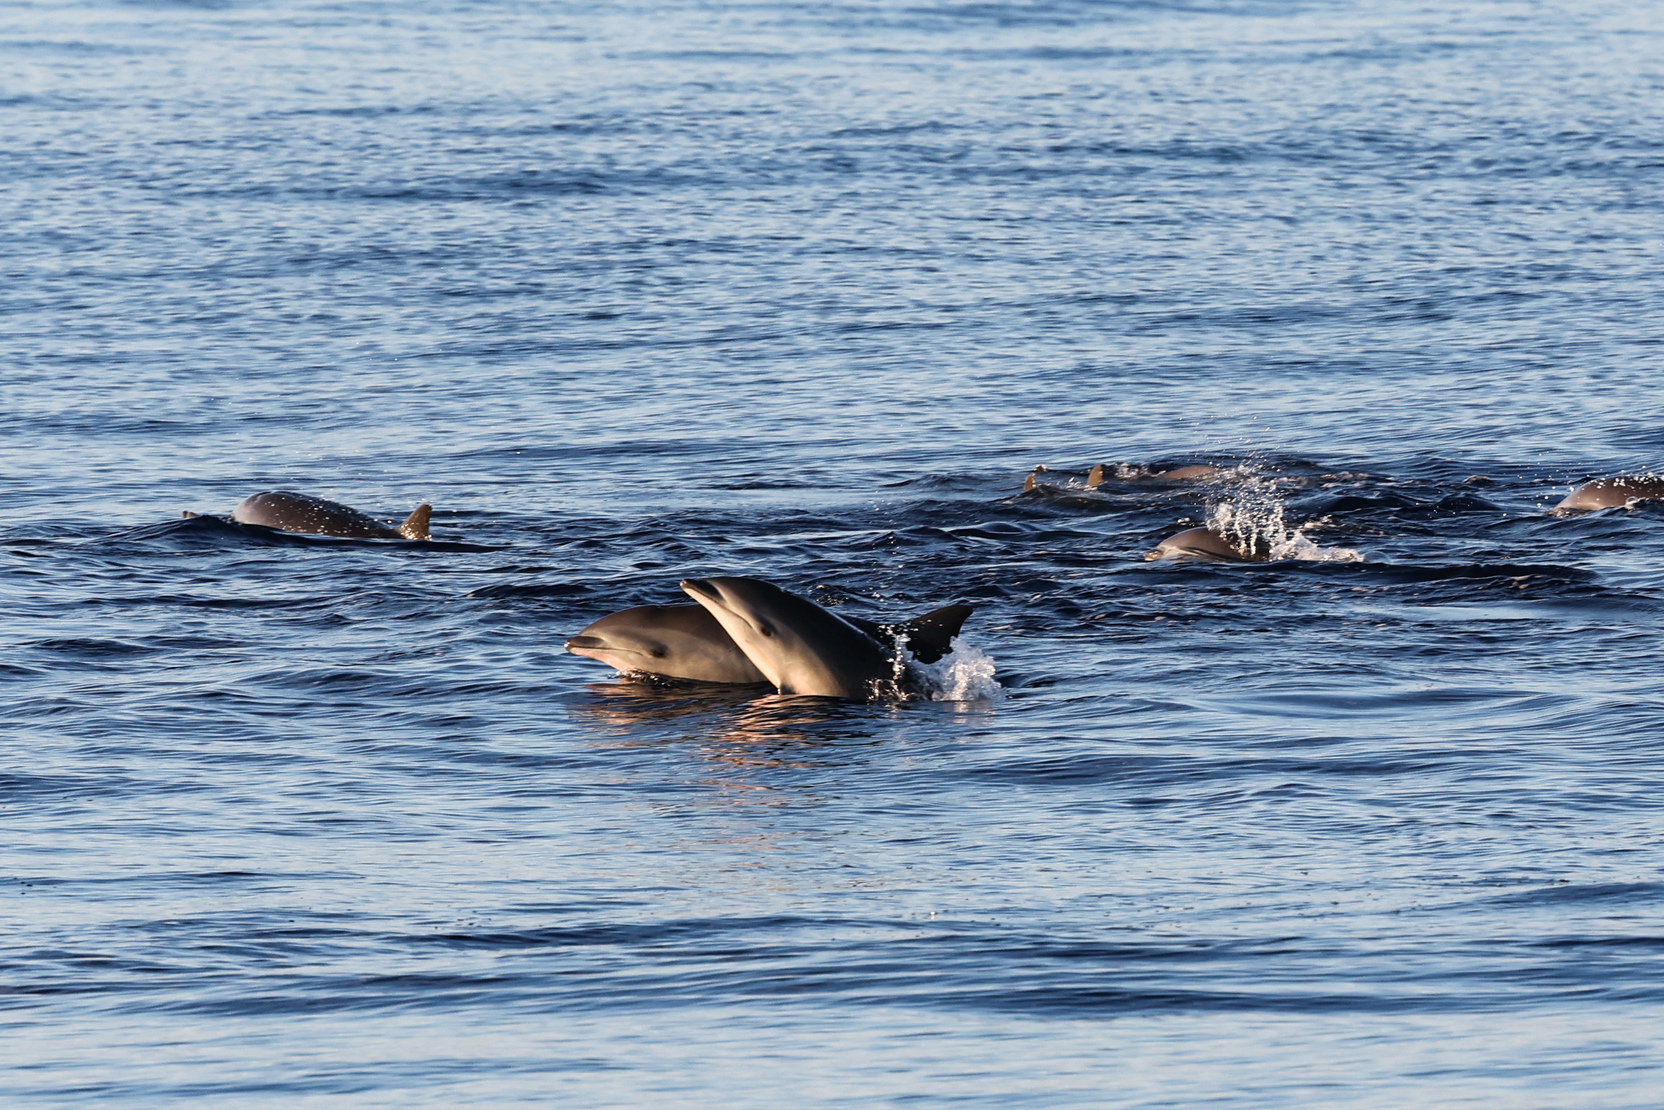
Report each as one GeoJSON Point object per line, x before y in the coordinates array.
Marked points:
{"type": "Point", "coordinates": [633, 292]}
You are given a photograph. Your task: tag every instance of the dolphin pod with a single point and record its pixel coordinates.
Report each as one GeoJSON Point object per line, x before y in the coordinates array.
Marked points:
{"type": "Point", "coordinates": [744, 631]}
{"type": "Point", "coordinates": [300, 512]}
{"type": "Point", "coordinates": [747, 631]}
{"type": "Point", "coordinates": [1607, 493]}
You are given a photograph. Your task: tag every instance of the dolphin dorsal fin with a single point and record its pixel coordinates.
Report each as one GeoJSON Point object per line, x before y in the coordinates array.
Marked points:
{"type": "Point", "coordinates": [931, 636]}
{"type": "Point", "coordinates": [1028, 483]}
{"type": "Point", "coordinates": [1095, 477]}
{"type": "Point", "coordinates": [415, 526]}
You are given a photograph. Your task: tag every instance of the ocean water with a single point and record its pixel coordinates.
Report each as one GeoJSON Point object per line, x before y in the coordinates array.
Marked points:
{"type": "Point", "coordinates": [641, 291]}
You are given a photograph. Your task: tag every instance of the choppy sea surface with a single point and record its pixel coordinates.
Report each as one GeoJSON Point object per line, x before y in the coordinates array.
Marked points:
{"type": "Point", "coordinates": [632, 292]}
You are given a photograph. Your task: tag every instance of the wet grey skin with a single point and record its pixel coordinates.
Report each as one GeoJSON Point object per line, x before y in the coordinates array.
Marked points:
{"type": "Point", "coordinates": [803, 649]}
{"type": "Point", "coordinates": [1197, 473]}
{"type": "Point", "coordinates": [1099, 474]}
{"type": "Point", "coordinates": [686, 641]}
{"type": "Point", "coordinates": [1607, 493]}
{"type": "Point", "coordinates": [300, 512]}
{"type": "Point", "coordinates": [673, 641]}
{"type": "Point", "coordinates": [1207, 545]}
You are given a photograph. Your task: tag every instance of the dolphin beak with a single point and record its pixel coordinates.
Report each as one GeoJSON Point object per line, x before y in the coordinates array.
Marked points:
{"type": "Point", "coordinates": [700, 590]}
{"type": "Point", "coordinates": [578, 644]}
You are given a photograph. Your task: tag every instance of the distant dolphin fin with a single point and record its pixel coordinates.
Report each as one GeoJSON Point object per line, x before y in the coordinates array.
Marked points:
{"type": "Point", "coordinates": [415, 526]}
{"type": "Point", "coordinates": [931, 636]}
{"type": "Point", "coordinates": [1028, 483]}
{"type": "Point", "coordinates": [1095, 477]}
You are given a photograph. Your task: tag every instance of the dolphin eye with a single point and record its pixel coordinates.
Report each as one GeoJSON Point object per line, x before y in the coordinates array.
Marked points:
{"type": "Point", "coordinates": [765, 628]}
{"type": "Point", "coordinates": [659, 653]}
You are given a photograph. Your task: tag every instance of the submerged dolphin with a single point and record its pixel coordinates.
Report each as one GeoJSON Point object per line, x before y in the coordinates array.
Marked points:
{"type": "Point", "coordinates": [1606, 493]}
{"type": "Point", "coordinates": [686, 641]}
{"type": "Point", "coordinates": [1206, 544]}
{"type": "Point", "coordinates": [1199, 472]}
{"type": "Point", "coordinates": [1099, 474]}
{"type": "Point", "coordinates": [300, 512]}
{"type": "Point", "coordinates": [804, 649]}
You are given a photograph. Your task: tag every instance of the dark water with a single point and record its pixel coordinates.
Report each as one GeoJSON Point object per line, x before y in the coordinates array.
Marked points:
{"type": "Point", "coordinates": [638, 292]}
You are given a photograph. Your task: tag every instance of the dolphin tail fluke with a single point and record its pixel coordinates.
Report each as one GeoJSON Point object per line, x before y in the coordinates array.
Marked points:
{"type": "Point", "coordinates": [415, 526]}
{"type": "Point", "coordinates": [1095, 477]}
{"type": "Point", "coordinates": [931, 636]}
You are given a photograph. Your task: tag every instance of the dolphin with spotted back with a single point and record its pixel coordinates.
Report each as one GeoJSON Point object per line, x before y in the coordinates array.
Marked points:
{"type": "Point", "coordinates": [301, 512]}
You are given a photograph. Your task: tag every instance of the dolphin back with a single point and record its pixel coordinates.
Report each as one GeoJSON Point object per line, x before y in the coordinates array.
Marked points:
{"type": "Point", "coordinates": [301, 512]}
{"type": "Point", "coordinates": [415, 526]}
{"type": "Point", "coordinates": [930, 636]}
{"type": "Point", "coordinates": [1609, 493]}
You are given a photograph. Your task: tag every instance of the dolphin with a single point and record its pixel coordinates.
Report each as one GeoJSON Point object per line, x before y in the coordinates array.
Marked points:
{"type": "Point", "coordinates": [300, 512]}
{"type": "Point", "coordinates": [686, 641]}
{"type": "Point", "coordinates": [675, 641]}
{"type": "Point", "coordinates": [1199, 472]}
{"type": "Point", "coordinates": [804, 649]}
{"type": "Point", "coordinates": [1208, 545]}
{"type": "Point", "coordinates": [1100, 473]}
{"type": "Point", "coordinates": [1606, 493]}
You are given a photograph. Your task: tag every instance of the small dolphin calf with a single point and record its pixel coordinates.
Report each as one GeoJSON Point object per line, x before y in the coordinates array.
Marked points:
{"type": "Point", "coordinates": [299, 512]}
{"type": "Point", "coordinates": [1208, 545]}
{"type": "Point", "coordinates": [804, 649]}
{"type": "Point", "coordinates": [1607, 493]}
{"type": "Point", "coordinates": [675, 641]}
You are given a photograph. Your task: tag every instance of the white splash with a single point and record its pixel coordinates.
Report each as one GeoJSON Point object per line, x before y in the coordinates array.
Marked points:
{"type": "Point", "coordinates": [1252, 519]}
{"type": "Point", "coordinates": [965, 675]}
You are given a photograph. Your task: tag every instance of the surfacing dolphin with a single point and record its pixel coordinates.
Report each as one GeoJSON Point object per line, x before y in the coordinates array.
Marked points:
{"type": "Point", "coordinates": [300, 512]}
{"type": "Point", "coordinates": [1607, 493]}
{"type": "Point", "coordinates": [1209, 546]}
{"type": "Point", "coordinates": [1099, 474]}
{"type": "Point", "coordinates": [804, 649]}
{"type": "Point", "coordinates": [673, 641]}
{"type": "Point", "coordinates": [686, 641]}
{"type": "Point", "coordinates": [1196, 473]}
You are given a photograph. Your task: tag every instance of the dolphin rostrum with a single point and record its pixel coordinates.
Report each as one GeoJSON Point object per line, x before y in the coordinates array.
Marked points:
{"type": "Point", "coordinates": [686, 641]}
{"type": "Point", "coordinates": [804, 649]}
{"type": "Point", "coordinates": [1606, 493]}
{"type": "Point", "coordinates": [300, 512]}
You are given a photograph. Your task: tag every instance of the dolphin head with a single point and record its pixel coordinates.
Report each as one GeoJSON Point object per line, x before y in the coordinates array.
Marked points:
{"type": "Point", "coordinates": [676, 641]}
{"type": "Point", "coordinates": [796, 644]}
